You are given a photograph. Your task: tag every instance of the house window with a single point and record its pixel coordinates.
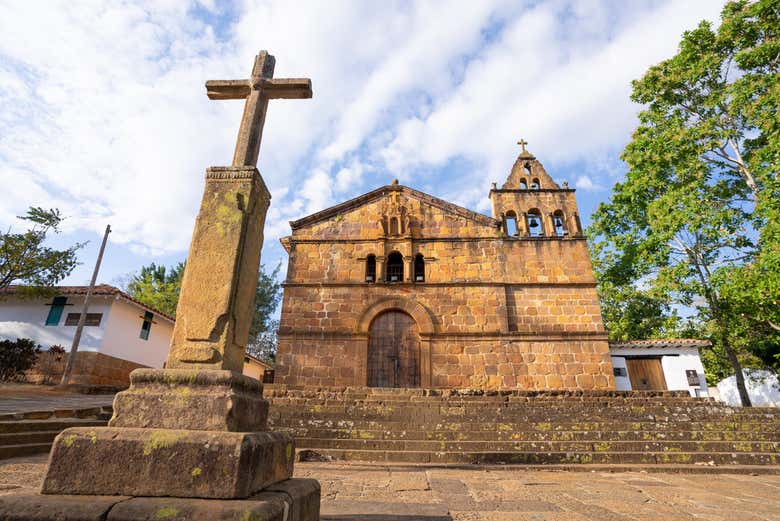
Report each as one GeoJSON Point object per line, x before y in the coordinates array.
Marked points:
{"type": "Point", "coordinates": [395, 267]}
{"type": "Point", "coordinates": [371, 268]}
{"type": "Point", "coordinates": [55, 311]}
{"type": "Point", "coordinates": [535, 226]}
{"type": "Point", "coordinates": [419, 268]}
{"type": "Point", "coordinates": [146, 327]}
{"type": "Point", "coordinates": [93, 319]}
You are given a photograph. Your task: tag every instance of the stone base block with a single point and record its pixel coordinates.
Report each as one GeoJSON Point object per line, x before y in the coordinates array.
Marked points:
{"type": "Point", "coordinates": [291, 500]}
{"type": "Point", "coordinates": [164, 462]}
{"type": "Point", "coordinates": [212, 400]}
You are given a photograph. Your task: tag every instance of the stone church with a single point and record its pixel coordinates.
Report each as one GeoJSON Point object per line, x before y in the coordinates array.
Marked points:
{"type": "Point", "coordinates": [398, 288]}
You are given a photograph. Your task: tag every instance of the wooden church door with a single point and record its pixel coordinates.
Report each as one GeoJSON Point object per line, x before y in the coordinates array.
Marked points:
{"type": "Point", "coordinates": [393, 351]}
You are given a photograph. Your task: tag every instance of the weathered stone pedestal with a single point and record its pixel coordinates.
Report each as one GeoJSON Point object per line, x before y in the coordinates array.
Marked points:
{"type": "Point", "coordinates": [191, 442]}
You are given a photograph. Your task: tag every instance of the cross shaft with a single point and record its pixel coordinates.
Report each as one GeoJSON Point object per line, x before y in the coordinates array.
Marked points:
{"type": "Point", "coordinates": [257, 90]}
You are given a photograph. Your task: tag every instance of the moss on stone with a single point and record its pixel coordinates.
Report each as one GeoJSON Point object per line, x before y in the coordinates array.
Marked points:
{"type": "Point", "coordinates": [196, 472]}
{"type": "Point", "coordinates": [159, 440]}
{"type": "Point", "coordinates": [166, 512]}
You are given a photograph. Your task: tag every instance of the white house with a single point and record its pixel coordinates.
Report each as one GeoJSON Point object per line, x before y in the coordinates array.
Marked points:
{"type": "Point", "coordinates": [763, 388]}
{"type": "Point", "coordinates": [673, 365]}
{"type": "Point", "coordinates": [121, 333]}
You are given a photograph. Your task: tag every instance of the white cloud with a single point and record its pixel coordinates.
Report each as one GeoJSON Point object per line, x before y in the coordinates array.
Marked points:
{"type": "Point", "coordinates": [103, 111]}
{"type": "Point", "coordinates": [585, 183]}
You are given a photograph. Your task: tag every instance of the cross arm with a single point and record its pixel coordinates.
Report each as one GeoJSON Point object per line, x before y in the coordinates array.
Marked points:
{"type": "Point", "coordinates": [227, 89]}
{"type": "Point", "coordinates": [287, 88]}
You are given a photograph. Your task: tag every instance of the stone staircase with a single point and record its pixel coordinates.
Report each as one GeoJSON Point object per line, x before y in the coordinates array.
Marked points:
{"type": "Point", "coordinates": [23, 434]}
{"type": "Point", "coordinates": [557, 429]}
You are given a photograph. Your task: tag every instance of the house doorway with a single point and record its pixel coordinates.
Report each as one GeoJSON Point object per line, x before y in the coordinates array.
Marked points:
{"type": "Point", "coordinates": [646, 374]}
{"type": "Point", "coordinates": [393, 351]}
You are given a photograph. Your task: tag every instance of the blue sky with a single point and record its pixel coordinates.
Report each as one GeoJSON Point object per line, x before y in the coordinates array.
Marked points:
{"type": "Point", "coordinates": [103, 111]}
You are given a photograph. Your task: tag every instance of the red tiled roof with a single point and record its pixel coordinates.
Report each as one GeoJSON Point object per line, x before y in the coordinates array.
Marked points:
{"type": "Point", "coordinates": [263, 363]}
{"type": "Point", "coordinates": [100, 289]}
{"type": "Point", "coordinates": [661, 343]}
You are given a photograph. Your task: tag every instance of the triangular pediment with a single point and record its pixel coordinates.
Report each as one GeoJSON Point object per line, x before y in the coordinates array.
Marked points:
{"type": "Point", "coordinates": [386, 192]}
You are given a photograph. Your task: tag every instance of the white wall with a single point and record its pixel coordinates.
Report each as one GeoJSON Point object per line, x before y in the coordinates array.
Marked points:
{"type": "Point", "coordinates": [26, 318]}
{"type": "Point", "coordinates": [674, 367]}
{"type": "Point", "coordinates": [762, 386]}
{"type": "Point", "coordinates": [123, 336]}
{"type": "Point", "coordinates": [622, 383]}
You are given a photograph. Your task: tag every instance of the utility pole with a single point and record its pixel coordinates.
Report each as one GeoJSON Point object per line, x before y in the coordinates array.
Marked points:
{"type": "Point", "coordinates": [77, 337]}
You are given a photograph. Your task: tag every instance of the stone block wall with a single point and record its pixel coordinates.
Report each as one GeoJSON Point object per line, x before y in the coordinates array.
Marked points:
{"type": "Point", "coordinates": [91, 368]}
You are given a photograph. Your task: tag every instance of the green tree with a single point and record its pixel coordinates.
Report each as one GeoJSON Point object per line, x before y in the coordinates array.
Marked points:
{"type": "Point", "coordinates": [262, 335]}
{"type": "Point", "coordinates": [699, 204]}
{"type": "Point", "coordinates": [25, 260]}
{"type": "Point", "coordinates": [157, 286]}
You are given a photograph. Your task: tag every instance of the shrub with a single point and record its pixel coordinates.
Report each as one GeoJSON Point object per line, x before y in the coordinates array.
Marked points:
{"type": "Point", "coordinates": [16, 357]}
{"type": "Point", "coordinates": [58, 349]}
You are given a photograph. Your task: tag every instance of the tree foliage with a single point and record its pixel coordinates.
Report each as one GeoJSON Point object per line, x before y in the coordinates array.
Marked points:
{"type": "Point", "coordinates": [24, 259]}
{"type": "Point", "coordinates": [695, 223]}
{"type": "Point", "coordinates": [262, 334]}
{"type": "Point", "coordinates": [157, 286]}
{"type": "Point", "coordinates": [16, 357]}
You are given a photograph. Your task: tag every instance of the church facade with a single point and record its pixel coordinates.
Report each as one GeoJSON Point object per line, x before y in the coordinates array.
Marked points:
{"type": "Point", "coordinates": [397, 288]}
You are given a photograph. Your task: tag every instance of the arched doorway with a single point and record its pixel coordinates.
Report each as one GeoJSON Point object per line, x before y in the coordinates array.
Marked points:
{"type": "Point", "coordinates": [393, 351]}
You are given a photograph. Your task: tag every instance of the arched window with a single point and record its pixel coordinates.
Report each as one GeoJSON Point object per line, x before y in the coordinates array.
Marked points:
{"type": "Point", "coordinates": [395, 267]}
{"type": "Point", "coordinates": [523, 185]}
{"type": "Point", "coordinates": [560, 224]}
{"type": "Point", "coordinates": [535, 225]}
{"type": "Point", "coordinates": [371, 268]}
{"type": "Point", "coordinates": [511, 223]}
{"type": "Point", "coordinates": [394, 226]}
{"type": "Point", "coordinates": [535, 184]}
{"type": "Point", "coordinates": [527, 169]}
{"type": "Point", "coordinates": [419, 268]}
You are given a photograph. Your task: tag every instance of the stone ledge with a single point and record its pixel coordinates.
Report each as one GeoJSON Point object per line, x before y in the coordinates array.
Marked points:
{"type": "Point", "coordinates": [166, 462]}
{"type": "Point", "coordinates": [212, 400]}
{"type": "Point", "coordinates": [291, 500]}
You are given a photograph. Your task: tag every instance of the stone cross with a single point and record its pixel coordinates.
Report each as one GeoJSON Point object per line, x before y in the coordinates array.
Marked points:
{"type": "Point", "coordinates": [214, 313]}
{"type": "Point", "coordinates": [523, 143]}
{"type": "Point", "coordinates": [257, 90]}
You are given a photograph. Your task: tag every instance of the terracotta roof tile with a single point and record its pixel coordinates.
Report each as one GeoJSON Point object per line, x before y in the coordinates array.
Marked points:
{"type": "Point", "coordinates": [100, 289]}
{"type": "Point", "coordinates": [661, 343]}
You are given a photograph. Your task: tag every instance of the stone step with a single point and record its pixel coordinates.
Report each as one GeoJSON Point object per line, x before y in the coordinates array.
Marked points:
{"type": "Point", "coordinates": [100, 413]}
{"type": "Point", "coordinates": [24, 438]}
{"type": "Point", "coordinates": [283, 390]}
{"type": "Point", "coordinates": [487, 402]}
{"type": "Point", "coordinates": [291, 421]}
{"type": "Point", "coordinates": [480, 411]}
{"type": "Point", "coordinates": [14, 451]}
{"type": "Point", "coordinates": [540, 446]}
{"type": "Point", "coordinates": [543, 458]}
{"type": "Point", "coordinates": [8, 427]}
{"type": "Point", "coordinates": [529, 435]}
